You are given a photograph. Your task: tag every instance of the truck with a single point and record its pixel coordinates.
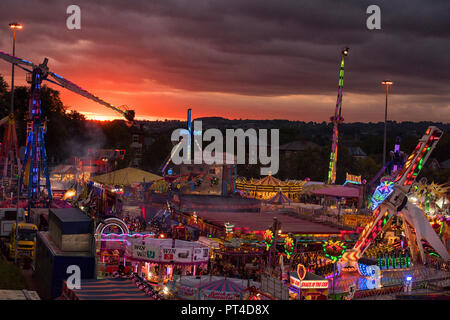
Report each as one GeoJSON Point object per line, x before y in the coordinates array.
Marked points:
{"type": "Point", "coordinates": [8, 217]}
{"type": "Point", "coordinates": [12, 227]}
{"type": "Point", "coordinates": [26, 241]}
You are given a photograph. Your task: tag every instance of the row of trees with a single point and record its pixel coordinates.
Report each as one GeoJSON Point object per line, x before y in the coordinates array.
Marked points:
{"type": "Point", "coordinates": [68, 131]}
{"type": "Point", "coordinates": [313, 163]}
{"type": "Point", "coordinates": [70, 134]}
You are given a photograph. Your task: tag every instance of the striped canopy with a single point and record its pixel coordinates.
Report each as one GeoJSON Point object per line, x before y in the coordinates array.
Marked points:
{"type": "Point", "coordinates": [109, 289]}
{"type": "Point", "coordinates": [269, 184]}
{"type": "Point", "coordinates": [279, 198]}
{"type": "Point", "coordinates": [270, 181]}
{"type": "Point", "coordinates": [126, 177]}
{"type": "Point", "coordinates": [223, 285]}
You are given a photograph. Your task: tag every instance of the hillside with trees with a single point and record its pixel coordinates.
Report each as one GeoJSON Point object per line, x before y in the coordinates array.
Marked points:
{"type": "Point", "coordinates": [70, 134]}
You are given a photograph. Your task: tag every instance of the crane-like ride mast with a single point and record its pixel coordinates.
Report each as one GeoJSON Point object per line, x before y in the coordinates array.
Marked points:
{"type": "Point", "coordinates": [336, 119]}
{"type": "Point", "coordinates": [35, 159]}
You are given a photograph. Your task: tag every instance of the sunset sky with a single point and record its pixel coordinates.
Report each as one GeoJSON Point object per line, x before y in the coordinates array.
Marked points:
{"type": "Point", "coordinates": [240, 59]}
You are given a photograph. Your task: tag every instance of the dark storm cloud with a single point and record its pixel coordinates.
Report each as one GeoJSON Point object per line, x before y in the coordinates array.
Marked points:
{"type": "Point", "coordinates": [265, 48]}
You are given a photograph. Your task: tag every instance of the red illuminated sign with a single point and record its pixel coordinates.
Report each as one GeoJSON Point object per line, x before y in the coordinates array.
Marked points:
{"type": "Point", "coordinates": [309, 284]}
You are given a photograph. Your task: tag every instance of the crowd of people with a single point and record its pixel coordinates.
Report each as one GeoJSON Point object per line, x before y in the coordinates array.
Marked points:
{"type": "Point", "coordinates": [136, 224]}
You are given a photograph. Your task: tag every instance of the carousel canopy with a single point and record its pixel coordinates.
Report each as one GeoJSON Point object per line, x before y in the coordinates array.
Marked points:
{"type": "Point", "coordinates": [223, 285]}
{"type": "Point", "coordinates": [126, 177]}
{"type": "Point", "coordinates": [338, 191]}
{"type": "Point", "coordinates": [279, 198]}
{"type": "Point", "coordinates": [269, 184]}
{"type": "Point", "coordinates": [270, 181]}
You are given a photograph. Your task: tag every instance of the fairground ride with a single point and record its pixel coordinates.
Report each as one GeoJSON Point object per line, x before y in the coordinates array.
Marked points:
{"type": "Point", "coordinates": [9, 153]}
{"type": "Point", "coordinates": [186, 134]}
{"type": "Point", "coordinates": [390, 200]}
{"type": "Point", "coordinates": [35, 153]}
{"type": "Point", "coordinates": [397, 161]}
{"type": "Point", "coordinates": [336, 119]}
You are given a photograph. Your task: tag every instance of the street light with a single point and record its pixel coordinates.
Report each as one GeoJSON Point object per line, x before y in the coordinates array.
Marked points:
{"type": "Point", "coordinates": [345, 51]}
{"type": "Point", "coordinates": [13, 26]}
{"type": "Point", "coordinates": [387, 83]}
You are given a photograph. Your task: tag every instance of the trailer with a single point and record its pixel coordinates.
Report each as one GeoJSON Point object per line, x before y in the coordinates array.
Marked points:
{"type": "Point", "coordinates": [68, 242]}
{"type": "Point", "coordinates": [52, 263]}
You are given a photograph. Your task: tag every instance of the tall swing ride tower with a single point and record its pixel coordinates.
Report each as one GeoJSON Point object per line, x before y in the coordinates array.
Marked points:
{"type": "Point", "coordinates": [336, 119]}
{"type": "Point", "coordinates": [35, 161]}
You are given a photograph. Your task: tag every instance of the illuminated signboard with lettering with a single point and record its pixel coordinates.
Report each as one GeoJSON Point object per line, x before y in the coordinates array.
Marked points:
{"type": "Point", "coordinates": [308, 284]}
{"type": "Point", "coordinates": [316, 284]}
{"type": "Point", "coordinates": [350, 178]}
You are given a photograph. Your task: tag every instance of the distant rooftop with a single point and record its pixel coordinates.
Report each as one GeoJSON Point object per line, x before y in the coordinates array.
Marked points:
{"type": "Point", "coordinates": [356, 152]}
{"type": "Point", "coordinates": [445, 164]}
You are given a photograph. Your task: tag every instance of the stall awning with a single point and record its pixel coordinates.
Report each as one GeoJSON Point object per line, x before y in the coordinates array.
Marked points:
{"type": "Point", "coordinates": [108, 289]}
{"type": "Point", "coordinates": [126, 177]}
{"type": "Point", "coordinates": [223, 285]}
{"type": "Point", "coordinates": [279, 198]}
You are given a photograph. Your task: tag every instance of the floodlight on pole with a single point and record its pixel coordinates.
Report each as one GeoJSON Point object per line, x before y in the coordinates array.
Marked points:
{"type": "Point", "coordinates": [13, 26]}
{"type": "Point", "coordinates": [387, 83]}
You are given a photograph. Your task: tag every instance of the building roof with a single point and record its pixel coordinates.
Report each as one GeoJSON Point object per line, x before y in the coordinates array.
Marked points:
{"type": "Point", "coordinates": [356, 152]}
{"type": "Point", "coordinates": [299, 145]}
{"type": "Point", "coordinates": [260, 221]}
{"type": "Point", "coordinates": [445, 164]}
{"type": "Point", "coordinates": [338, 191]}
{"type": "Point", "coordinates": [18, 295]}
{"type": "Point", "coordinates": [64, 169]}
{"type": "Point", "coordinates": [67, 215]}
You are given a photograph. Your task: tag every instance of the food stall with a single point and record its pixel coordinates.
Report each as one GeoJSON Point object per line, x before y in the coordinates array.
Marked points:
{"type": "Point", "coordinates": [307, 286]}
{"type": "Point", "coordinates": [157, 260]}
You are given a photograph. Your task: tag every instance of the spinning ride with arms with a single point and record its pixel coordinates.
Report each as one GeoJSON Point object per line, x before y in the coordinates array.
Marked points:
{"type": "Point", "coordinates": [35, 153]}
{"type": "Point", "coordinates": [389, 200]}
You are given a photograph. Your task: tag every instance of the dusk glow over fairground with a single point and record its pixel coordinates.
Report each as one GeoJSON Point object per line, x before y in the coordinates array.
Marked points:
{"type": "Point", "coordinates": [200, 154]}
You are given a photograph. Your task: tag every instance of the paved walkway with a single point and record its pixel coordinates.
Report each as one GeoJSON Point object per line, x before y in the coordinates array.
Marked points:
{"type": "Point", "coordinates": [30, 280]}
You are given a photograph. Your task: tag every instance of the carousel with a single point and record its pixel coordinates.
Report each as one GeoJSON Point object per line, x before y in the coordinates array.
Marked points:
{"type": "Point", "coordinates": [268, 187]}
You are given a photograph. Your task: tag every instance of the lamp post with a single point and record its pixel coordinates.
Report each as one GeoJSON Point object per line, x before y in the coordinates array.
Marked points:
{"type": "Point", "coordinates": [387, 83]}
{"type": "Point", "coordinates": [13, 26]}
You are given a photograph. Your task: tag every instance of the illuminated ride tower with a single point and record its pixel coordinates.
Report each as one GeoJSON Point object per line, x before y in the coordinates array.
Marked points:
{"type": "Point", "coordinates": [336, 119]}
{"type": "Point", "coordinates": [9, 154]}
{"type": "Point", "coordinates": [35, 159]}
